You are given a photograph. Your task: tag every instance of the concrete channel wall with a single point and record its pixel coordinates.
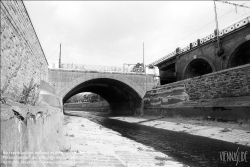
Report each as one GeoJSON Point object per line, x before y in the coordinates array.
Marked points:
{"type": "Point", "coordinates": [224, 94]}
{"type": "Point", "coordinates": [29, 128]}
{"type": "Point", "coordinates": [29, 122]}
{"type": "Point", "coordinates": [26, 128]}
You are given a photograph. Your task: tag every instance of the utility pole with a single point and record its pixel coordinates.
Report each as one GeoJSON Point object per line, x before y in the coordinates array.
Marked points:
{"type": "Point", "coordinates": [144, 67]}
{"type": "Point", "coordinates": [60, 58]}
{"type": "Point", "coordinates": [143, 56]}
{"type": "Point", "coordinates": [217, 27]}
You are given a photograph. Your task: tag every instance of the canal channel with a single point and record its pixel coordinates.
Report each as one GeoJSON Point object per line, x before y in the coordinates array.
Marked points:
{"type": "Point", "coordinates": [192, 150]}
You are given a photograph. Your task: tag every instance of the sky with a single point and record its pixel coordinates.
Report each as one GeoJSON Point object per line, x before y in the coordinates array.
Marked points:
{"type": "Point", "coordinates": [110, 33]}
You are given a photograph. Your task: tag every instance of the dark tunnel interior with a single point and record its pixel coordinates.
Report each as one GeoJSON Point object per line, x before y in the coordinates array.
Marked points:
{"type": "Point", "coordinates": [198, 67]}
{"type": "Point", "coordinates": [240, 56]}
{"type": "Point", "coordinates": [120, 96]}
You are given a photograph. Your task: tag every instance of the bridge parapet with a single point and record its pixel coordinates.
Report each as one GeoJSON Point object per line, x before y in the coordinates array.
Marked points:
{"type": "Point", "coordinates": [101, 72]}
{"type": "Point", "coordinates": [95, 68]}
{"type": "Point", "coordinates": [98, 68]}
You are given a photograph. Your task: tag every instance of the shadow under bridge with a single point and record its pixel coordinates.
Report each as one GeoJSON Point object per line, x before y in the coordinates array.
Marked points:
{"type": "Point", "coordinates": [123, 98]}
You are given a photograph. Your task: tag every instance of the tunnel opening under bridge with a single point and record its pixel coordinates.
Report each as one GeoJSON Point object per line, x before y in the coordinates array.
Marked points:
{"type": "Point", "coordinates": [122, 98]}
{"type": "Point", "coordinates": [197, 67]}
{"type": "Point", "coordinates": [240, 56]}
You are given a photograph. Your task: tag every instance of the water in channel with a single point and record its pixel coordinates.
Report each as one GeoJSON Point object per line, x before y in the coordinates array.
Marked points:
{"type": "Point", "coordinates": [195, 151]}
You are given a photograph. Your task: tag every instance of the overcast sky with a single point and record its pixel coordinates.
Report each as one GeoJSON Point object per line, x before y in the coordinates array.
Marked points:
{"type": "Point", "coordinates": [112, 32]}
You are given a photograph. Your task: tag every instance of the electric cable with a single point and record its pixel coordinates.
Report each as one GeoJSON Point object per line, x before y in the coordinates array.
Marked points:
{"type": "Point", "coordinates": [198, 30]}
{"type": "Point", "coordinates": [53, 52]}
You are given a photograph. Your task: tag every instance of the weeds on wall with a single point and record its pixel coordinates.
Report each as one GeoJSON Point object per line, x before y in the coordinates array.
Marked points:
{"type": "Point", "coordinates": [29, 94]}
{"type": "Point", "coordinates": [7, 83]}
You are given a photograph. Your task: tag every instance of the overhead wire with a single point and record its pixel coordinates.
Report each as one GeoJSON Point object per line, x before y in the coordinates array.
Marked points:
{"type": "Point", "coordinates": [53, 52]}
{"type": "Point", "coordinates": [201, 29]}
{"type": "Point", "coordinates": [231, 10]}
{"type": "Point", "coordinates": [189, 34]}
{"type": "Point", "coordinates": [187, 28]}
{"type": "Point", "coordinates": [235, 4]}
{"type": "Point", "coordinates": [239, 17]}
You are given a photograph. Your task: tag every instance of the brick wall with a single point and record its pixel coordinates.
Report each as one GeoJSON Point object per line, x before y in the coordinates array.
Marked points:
{"type": "Point", "coordinates": [233, 82]}
{"type": "Point", "coordinates": [19, 47]}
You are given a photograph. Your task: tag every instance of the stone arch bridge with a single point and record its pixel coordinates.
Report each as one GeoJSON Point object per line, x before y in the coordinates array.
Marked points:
{"type": "Point", "coordinates": [203, 56]}
{"type": "Point", "coordinates": [123, 91]}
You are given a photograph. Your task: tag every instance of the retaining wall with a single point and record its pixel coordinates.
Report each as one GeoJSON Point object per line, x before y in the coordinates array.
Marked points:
{"type": "Point", "coordinates": [22, 57]}
{"type": "Point", "coordinates": [219, 92]}
{"type": "Point", "coordinates": [25, 128]}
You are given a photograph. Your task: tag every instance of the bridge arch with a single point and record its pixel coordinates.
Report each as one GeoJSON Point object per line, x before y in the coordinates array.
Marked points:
{"type": "Point", "coordinates": [240, 55]}
{"type": "Point", "coordinates": [198, 66]}
{"type": "Point", "coordinates": [122, 94]}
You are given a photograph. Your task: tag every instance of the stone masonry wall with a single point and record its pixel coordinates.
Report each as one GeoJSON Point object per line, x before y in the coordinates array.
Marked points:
{"type": "Point", "coordinates": [22, 57]}
{"type": "Point", "coordinates": [234, 82]}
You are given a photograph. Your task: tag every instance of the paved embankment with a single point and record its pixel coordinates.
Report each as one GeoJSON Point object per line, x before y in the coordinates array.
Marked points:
{"type": "Point", "coordinates": [95, 145]}
{"type": "Point", "coordinates": [79, 142]}
{"type": "Point", "coordinates": [189, 149]}
{"type": "Point", "coordinates": [230, 132]}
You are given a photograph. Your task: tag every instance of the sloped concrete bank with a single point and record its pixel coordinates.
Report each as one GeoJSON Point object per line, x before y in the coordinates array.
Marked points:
{"type": "Point", "coordinates": [229, 109]}
{"type": "Point", "coordinates": [229, 132]}
{"type": "Point", "coordinates": [29, 129]}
